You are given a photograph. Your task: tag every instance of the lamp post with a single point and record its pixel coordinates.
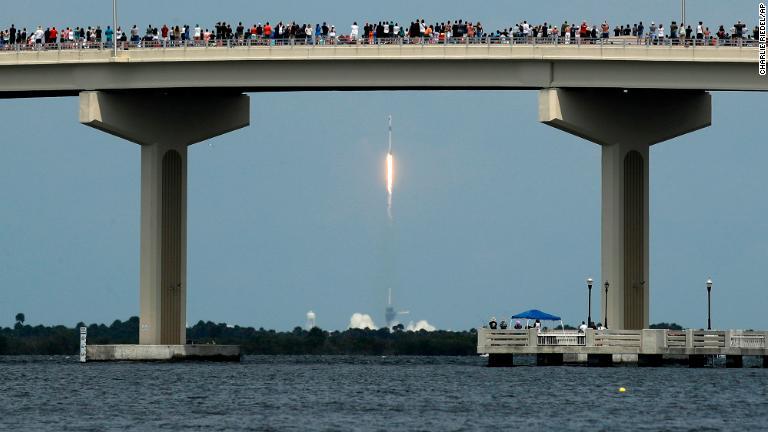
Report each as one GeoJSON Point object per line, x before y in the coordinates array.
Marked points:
{"type": "Point", "coordinates": [682, 10]}
{"type": "Point", "coordinates": [114, 27]}
{"type": "Point", "coordinates": [709, 303]}
{"type": "Point", "coordinates": [605, 324]}
{"type": "Point", "coordinates": [589, 310]}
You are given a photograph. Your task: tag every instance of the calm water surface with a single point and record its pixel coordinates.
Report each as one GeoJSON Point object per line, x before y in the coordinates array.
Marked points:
{"type": "Point", "coordinates": [371, 394]}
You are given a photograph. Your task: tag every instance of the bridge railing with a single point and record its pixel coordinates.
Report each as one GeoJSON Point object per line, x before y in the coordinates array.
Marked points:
{"type": "Point", "coordinates": [621, 41]}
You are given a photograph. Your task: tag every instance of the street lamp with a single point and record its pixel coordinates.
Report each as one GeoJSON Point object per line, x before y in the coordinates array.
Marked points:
{"type": "Point", "coordinates": [589, 311]}
{"type": "Point", "coordinates": [682, 7]}
{"type": "Point", "coordinates": [114, 26]}
{"type": "Point", "coordinates": [709, 303]}
{"type": "Point", "coordinates": [605, 324]}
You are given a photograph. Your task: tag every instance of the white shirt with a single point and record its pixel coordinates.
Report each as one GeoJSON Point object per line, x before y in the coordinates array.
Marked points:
{"type": "Point", "coordinates": [583, 328]}
{"type": "Point", "coordinates": [355, 30]}
{"type": "Point", "coordinates": [526, 28]}
{"type": "Point", "coordinates": [39, 34]}
{"type": "Point", "coordinates": [198, 32]}
{"type": "Point", "coordinates": [699, 30]}
{"type": "Point", "coordinates": [661, 32]}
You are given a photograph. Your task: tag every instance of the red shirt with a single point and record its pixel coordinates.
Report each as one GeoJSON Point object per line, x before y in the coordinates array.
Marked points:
{"type": "Point", "coordinates": [267, 30]}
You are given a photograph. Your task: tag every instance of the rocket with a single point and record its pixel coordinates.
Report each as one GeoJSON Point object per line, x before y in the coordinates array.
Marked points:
{"type": "Point", "coordinates": [390, 171]}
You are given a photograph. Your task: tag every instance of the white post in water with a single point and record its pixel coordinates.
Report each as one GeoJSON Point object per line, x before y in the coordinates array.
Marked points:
{"type": "Point", "coordinates": [83, 335]}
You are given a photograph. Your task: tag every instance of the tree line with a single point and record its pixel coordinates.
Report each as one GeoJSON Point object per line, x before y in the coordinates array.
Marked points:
{"type": "Point", "coordinates": [61, 340]}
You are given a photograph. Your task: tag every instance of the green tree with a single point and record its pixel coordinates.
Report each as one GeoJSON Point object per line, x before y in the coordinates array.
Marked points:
{"type": "Point", "coordinates": [20, 318]}
{"type": "Point", "coordinates": [668, 326]}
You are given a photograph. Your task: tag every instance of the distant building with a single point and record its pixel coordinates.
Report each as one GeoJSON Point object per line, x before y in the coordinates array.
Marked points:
{"type": "Point", "coordinates": [311, 320]}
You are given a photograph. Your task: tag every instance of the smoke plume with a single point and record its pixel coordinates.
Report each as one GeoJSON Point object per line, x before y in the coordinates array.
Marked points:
{"type": "Point", "coordinates": [361, 321]}
{"type": "Point", "coordinates": [420, 325]}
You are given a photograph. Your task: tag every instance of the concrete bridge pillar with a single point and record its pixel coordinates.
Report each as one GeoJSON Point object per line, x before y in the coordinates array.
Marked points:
{"type": "Point", "coordinates": [626, 124]}
{"type": "Point", "coordinates": [164, 125]}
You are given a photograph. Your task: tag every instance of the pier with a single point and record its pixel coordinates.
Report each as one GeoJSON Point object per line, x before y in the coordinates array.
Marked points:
{"type": "Point", "coordinates": [648, 347]}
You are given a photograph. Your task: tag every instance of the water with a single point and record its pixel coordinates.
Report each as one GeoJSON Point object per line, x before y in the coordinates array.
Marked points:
{"type": "Point", "coordinates": [372, 393]}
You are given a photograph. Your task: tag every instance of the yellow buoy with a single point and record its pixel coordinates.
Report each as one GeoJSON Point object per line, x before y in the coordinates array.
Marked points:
{"type": "Point", "coordinates": [622, 389]}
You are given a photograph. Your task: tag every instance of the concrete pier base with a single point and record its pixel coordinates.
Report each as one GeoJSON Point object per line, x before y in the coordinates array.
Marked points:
{"type": "Point", "coordinates": [650, 360]}
{"type": "Point", "coordinates": [600, 360]}
{"type": "Point", "coordinates": [501, 360]}
{"type": "Point", "coordinates": [734, 361]}
{"type": "Point", "coordinates": [697, 361]}
{"type": "Point", "coordinates": [575, 359]}
{"type": "Point", "coordinates": [549, 359]}
{"type": "Point", "coordinates": [147, 353]}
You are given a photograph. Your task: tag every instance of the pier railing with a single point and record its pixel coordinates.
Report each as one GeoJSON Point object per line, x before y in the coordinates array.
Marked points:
{"type": "Point", "coordinates": [747, 341]}
{"type": "Point", "coordinates": [640, 341]}
{"type": "Point", "coordinates": [562, 339]}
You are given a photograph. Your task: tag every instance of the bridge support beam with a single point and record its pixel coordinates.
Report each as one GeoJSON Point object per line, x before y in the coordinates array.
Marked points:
{"type": "Point", "coordinates": [626, 124]}
{"type": "Point", "coordinates": [164, 125]}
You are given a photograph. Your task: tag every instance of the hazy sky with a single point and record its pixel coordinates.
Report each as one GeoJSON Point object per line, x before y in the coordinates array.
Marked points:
{"type": "Point", "coordinates": [494, 212]}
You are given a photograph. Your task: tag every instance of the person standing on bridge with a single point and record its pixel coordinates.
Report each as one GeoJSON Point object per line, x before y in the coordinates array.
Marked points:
{"type": "Point", "coordinates": [109, 35]}
{"type": "Point", "coordinates": [38, 36]}
{"type": "Point", "coordinates": [353, 32]}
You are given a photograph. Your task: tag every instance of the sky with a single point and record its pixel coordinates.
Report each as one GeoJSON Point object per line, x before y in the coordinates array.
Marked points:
{"type": "Point", "coordinates": [494, 213]}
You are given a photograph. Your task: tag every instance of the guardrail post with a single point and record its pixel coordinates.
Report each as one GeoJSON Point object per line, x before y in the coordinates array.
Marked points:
{"type": "Point", "coordinates": [589, 338]}
{"type": "Point", "coordinates": [482, 340]}
{"type": "Point", "coordinates": [727, 339]}
{"type": "Point", "coordinates": [689, 338]}
{"type": "Point", "coordinates": [533, 337]}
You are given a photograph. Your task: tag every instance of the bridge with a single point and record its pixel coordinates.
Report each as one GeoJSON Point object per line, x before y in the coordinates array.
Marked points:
{"type": "Point", "coordinates": [579, 87]}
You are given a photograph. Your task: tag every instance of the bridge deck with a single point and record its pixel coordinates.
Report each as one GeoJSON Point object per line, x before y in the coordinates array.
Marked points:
{"type": "Point", "coordinates": [380, 67]}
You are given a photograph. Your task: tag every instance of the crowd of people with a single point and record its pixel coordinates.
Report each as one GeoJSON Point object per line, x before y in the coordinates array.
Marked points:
{"type": "Point", "coordinates": [518, 325]}
{"type": "Point", "coordinates": [384, 31]}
